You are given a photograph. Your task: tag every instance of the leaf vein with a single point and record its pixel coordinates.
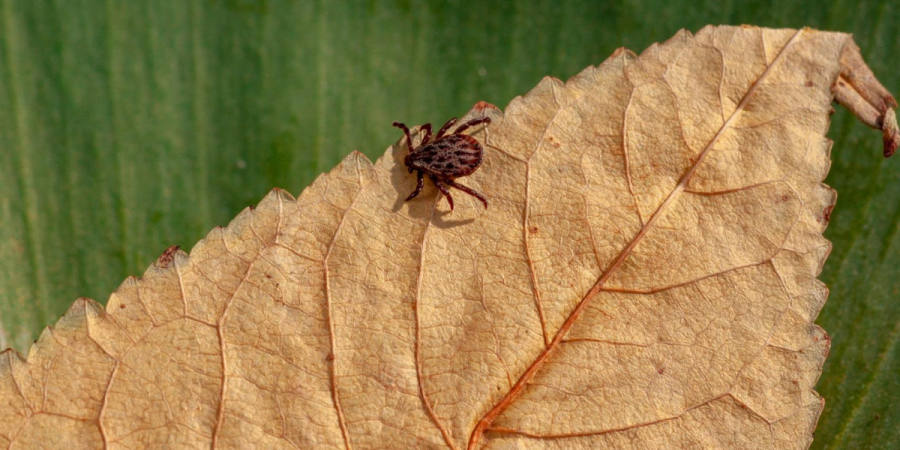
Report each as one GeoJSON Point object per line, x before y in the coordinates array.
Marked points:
{"type": "Point", "coordinates": [487, 420]}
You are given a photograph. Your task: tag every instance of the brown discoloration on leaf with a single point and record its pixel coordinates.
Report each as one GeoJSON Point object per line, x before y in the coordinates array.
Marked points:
{"type": "Point", "coordinates": [826, 214]}
{"type": "Point", "coordinates": [481, 106]}
{"type": "Point", "coordinates": [645, 278]}
{"type": "Point", "coordinates": [167, 257]}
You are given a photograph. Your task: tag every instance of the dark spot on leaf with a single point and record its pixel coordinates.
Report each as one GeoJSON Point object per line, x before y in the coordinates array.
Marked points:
{"type": "Point", "coordinates": [826, 213]}
{"type": "Point", "coordinates": [167, 256]}
{"type": "Point", "coordinates": [481, 106]}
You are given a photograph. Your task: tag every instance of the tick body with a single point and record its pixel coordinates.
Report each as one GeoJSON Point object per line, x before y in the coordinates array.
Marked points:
{"type": "Point", "coordinates": [446, 158]}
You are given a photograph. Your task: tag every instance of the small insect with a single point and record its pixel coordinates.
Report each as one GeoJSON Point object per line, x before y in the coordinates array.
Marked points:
{"type": "Point", "coordinates": [446, 158]}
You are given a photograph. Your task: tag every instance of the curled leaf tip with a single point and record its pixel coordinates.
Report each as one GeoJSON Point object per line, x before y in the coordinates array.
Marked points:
{"type": "Point", "coordinates": [890, 133]}
{"type": "Point", "coordinates": [858, 90]}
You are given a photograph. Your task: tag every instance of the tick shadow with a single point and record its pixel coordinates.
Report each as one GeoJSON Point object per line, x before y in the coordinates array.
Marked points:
{"type": "Point", "coordinates": [442, 220]}
{"type": "Point", "coordinates": [404, 183]}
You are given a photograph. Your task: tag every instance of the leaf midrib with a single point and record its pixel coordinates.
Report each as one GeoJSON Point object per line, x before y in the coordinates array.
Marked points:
{"type": "Point", "coordinates": [487, 420]}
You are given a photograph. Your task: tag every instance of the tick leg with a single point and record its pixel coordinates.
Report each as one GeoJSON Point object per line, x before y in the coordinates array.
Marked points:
{"type": "Point", "coordinates": [445, 128]}
{"type": "Point", "coordinates": [419, 185]}
{"type": "Point", "coordinates": [443, 190]}
{"type": "Point", "coordinates": [467, 190]}
{"type": "Point", "coordinates": [427, 128]}
{"type": "Point", "coordinates": [472, 123]}
{"type": "Point", "coordinates": [405, 130]}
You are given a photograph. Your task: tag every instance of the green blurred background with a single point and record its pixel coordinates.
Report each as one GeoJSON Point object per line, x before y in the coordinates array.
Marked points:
{"type": "Point", "coordinates": [130, 126]}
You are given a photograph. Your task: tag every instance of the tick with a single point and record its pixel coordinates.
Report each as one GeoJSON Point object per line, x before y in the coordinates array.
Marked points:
{"type": "Point", "coordinates": [446, 158]}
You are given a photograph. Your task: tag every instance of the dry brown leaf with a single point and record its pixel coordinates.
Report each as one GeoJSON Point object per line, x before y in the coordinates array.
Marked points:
{"type": "Point", "coordinates": [644, 278]}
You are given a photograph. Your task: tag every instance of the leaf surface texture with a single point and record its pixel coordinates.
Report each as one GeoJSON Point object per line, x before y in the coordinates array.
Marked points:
{"type": "Point", "coordinates": [644, 277]}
